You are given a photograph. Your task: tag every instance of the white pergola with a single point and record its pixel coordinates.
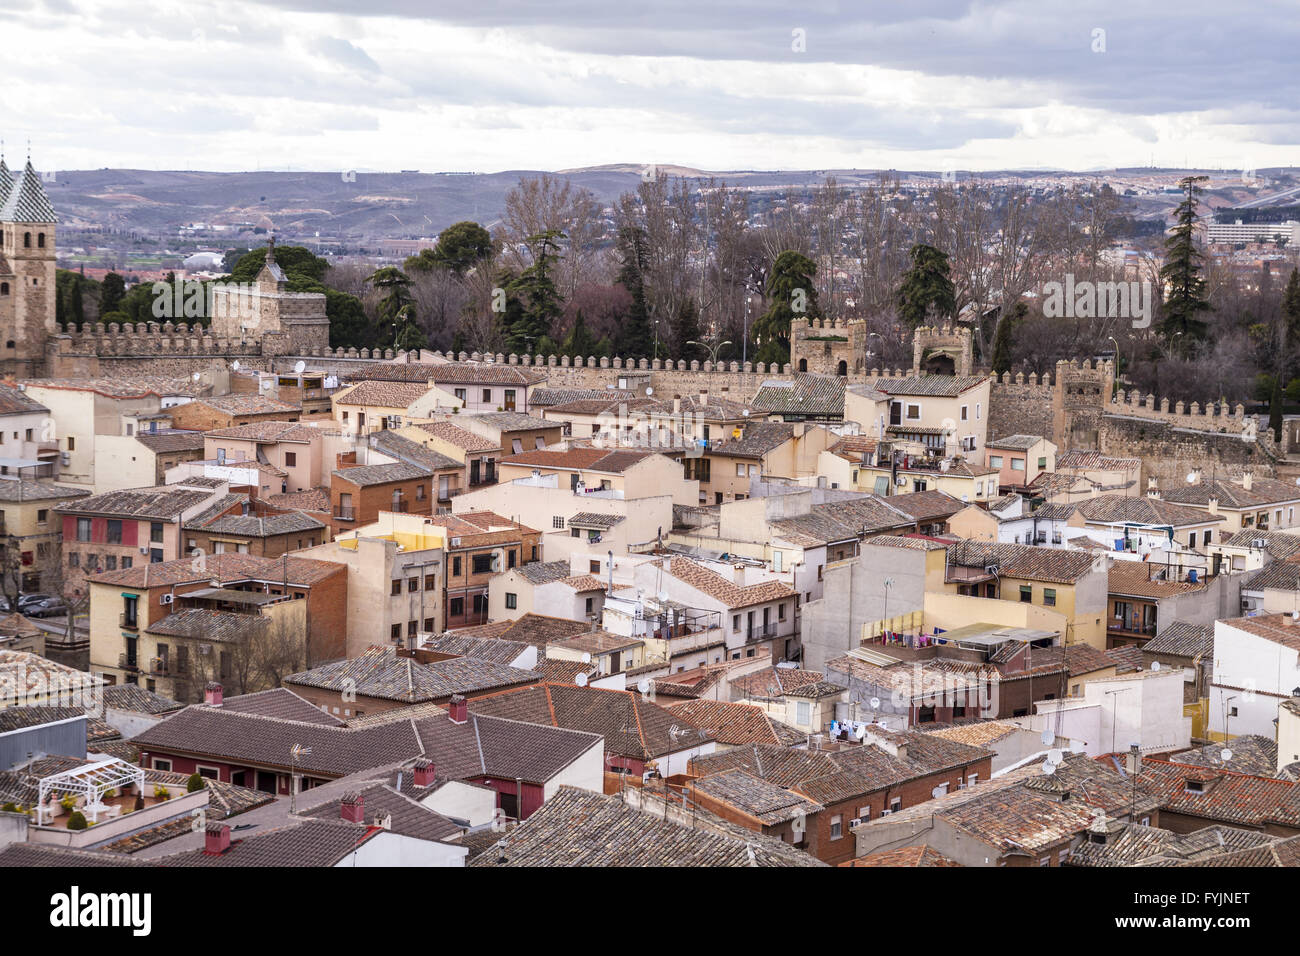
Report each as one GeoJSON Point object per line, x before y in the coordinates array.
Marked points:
{"type": "Point", "coordinates": [92, 781]}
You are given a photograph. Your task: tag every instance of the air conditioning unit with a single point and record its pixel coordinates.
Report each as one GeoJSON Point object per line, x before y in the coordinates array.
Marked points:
{"type": "Point", "coordinates": [854, 822]}
{"type": "Point", "coordinates": [167, 599]}
{"type": "Point", "coordinates": [65, 459]}
{"type": "Point", "coordinates": [886, 812]}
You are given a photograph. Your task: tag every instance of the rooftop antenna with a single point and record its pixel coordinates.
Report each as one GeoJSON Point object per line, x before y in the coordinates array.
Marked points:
{"type": "Point", "coordinates": [295, 752]}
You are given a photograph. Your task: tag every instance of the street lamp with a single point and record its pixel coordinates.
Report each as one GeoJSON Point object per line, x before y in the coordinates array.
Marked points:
{"type": "Point", "coordinates": [1226, 702]}
{"type": "Point", "coordinates": [713, 350]}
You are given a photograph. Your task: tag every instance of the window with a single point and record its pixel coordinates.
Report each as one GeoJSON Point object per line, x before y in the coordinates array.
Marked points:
{"type": "Point", "coordinates": [557, 521]}
{"type": "Point", "coordinates": [593, 567]}
{"type": "Point", "coordinates": [430, 582]}
{"type": "Point", "coordinates": [1026, 593]}
{"type": "Point", "coordinates": [574, 533]}
{"type": "Point", "coordinates": [972, 779]}
{"type": "Point", "coordinates": [455, 566]}
{"type": "Point", "coordinates": [780, 612]}
{"type": "Point", "coordinates": [114, 531]}
{"type": "Point", "coordinates": [160, 764]}
{"type": "Point", "coordinates": [512, 601]}
{"type": "Point", "coordinates": [397, 587]}
{"type": "Point", "coordinates": [129, 606]}
{"type": "Point", "coordinates": [1042, 463]}
{"type": "Point", "coordinates": [83, 529]}
{"type": "Point", "coordinates": [428, 624]}
{"type": "Point", "coordinates": [1017, 464]}
{"type": "Point", "coordinates": [290, 459]}
{"type": "Point", "coordinates": [740, 471]}
{"type": "Point", "coordinates": [516, 445]}
{"type": "Point", "coordinates": [510, 558]}
{"type": "Point", "coordinates": [965, 410]}
{"type": "Point", "coordinates": [460, 393]}
{"type": "Point", "coordinates": [913, 412]}
{"type": "Point", "coordinates": [72, 443]}
{"type": "Point", "coordinates": [482, 564]}
{"type": "Point", "coordinates": [412, 585]}
{"type": "Point", "coordinates": [837, 826]}
{"type": "Point", "coordinates": [208, 773]}
{"type": "Point", "coordinates": [995, 461]}
{"type": "Point", "coordinates": [395, 632]}
{"type": "Point", "coordinates": [1049, 597]}
{"type": "Point", "coordinates": [735, 622]}
{"type": "Point", "coordinates": [456, 607]}
{"type": "Point", "coordinates": [419, 492]}
{"type": "Point", "coordinates": [1206, 535]}
{"type": "Point", "coordinates": [156, 532]}
{"type": "Point", "coordinates": [896, 804]}
{"type": "Point", "coordinates": [487, 394]}
{"type": "Point", "coordinates": [803, 713]}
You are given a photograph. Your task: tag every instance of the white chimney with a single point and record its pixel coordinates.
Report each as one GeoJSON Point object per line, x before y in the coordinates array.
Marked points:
{"type": "Point", "coordinates": [1247, 480]}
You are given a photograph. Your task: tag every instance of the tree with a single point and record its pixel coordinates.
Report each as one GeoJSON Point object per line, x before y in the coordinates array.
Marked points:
{"type": "Point", "coordinates": [1002, 338]}
{"type": "Point", "coordinates": [1185, 287]}
{"type": "Point", "coordinates": [926, 291]}
{"type": "Point", "coordinates": [686, 329]}
{"type": "Point", "coordinates": [792, 296]}
{"type": "Point", "coordinates": [394, 288]}
{"type": "Point", "coordinates": [111, 291]}
{"type": "Point", "coordinates": [579, 343]}
{"type": "Point", "coordinates": [460, 247]}
{"type": "Point", "coordinates": [532, 302]}
{"type": "Point", "coordinates": [634, 338]}
{"type": "Point", "coordinates": [195, 783]}
{"type": "Point", "coordinates": [1275, 408]}
{"type": "Point", "coordinates": [1291, 315]}
{"type": "Point", "coordinates": [305, 272]}
{"type": "Point", "coordinates": [410, 337]}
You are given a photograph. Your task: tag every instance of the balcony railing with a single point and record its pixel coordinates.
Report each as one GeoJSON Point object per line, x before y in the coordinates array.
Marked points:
{"type": "Point", "coordinates": [345, 514]}
{"type": "Point", "coordinates": [132, 622]}
{"type": "Point", "coordinates": [126, 661]}
{"type": "Point", "coordinates": [761, 632]}
{"type": "Point", "coordinates": [1132, 627]}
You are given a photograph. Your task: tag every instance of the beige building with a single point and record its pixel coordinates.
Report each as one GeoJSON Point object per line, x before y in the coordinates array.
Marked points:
{"type": "Point", "coordinates": [31, 533]}
{"type": "Point", "coordinates": [478, 454]}
{"type": "Point", "coordinates": [550, 588]}
{"type": "Point", "coordinates": [946, 414]}
{"type": "Point", "coordinates": [1251, 504]}
{"type": "Point", "coordinates": [758, 450]}
{"type": "Point", "coordinates": [1019, 460]}
{"type": "Point", "coordinates": [298, 452]}
{"type": "Point", "coordinates": [375, 406]}
{"type": "Point", "coordinates": [144, 458]}
{"type": "Point", "coordinates": [603, 473]}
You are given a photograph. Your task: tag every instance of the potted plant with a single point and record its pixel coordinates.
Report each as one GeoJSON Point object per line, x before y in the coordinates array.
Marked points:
{"type": "Point", "coordinates": [162, 793]}
{"type": "Point", "coordinates": [77, 821]}
{"type": "Point", "coordinates": [68, 802]}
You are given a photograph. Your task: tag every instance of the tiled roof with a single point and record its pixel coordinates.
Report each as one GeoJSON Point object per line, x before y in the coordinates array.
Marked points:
{"type": "Point", "coordinates": [577, 828]}
{"type": "Point", "coordinates": [590, 519]}
{"type": "Point", "coordinates": [144, 387]}
{"type": "Point", "coordinates": [543, 572]}
{"type": "Point", "coordinates": [169, 441]}
{"type": "Point", "coordinates": [1263, 492]}
{"type": "Point", "coordinates": [815, 395]}
{"type": "Point", "coordinates": [904, 856]}
{"type": "Point", "coordinates": [1278, 628]}
{"type": "Point", "coordinates": [730, 594]}
{"type": "Point", "coordinates": [166, 501]}
{"type": "Point", "coordinates": [1126, 658]}
{"type": "Point", "coordinates": [14, 401]}
{"type": "Point", "coordinates": [979, 734]}
{"type": "Point", "coordinates": [598, 642]}
{"type": "Point", "coordinates": [1087, 460]}
{"type": "Point", "coordinates": [382, 394]}
{"type": "Point", "coordinates": [1251, 754]}
{"type": "Point", "coordinates": [20, 718]}
{"type": "Point", "coordinates": [25, 489]}
{"type": "Point", "coordinates": [228, 568]}
{"type": "Point", "coordinates": [938, 386]}
{"type": "Point", "coordinates": [1132, 844]}
{"type": "Point", "coordinates": [366, 475]}
{"type": "Point", "coordinates": [757, 439]}
{"type": "Point", "coordinates": [1014, 442]}
{"type": "Point", "coordinates": [1083, 658]}
{"type": "Point", "coordinates": [1141, 579]}
{"type": "Point", "coordinates": [632, 727]}
{"type": "Point", "coordinates": [550, 397]}
{"type": "Point", "coordinates": [512, 421]}
{"type": "Point", "coordinates": [773, 683]}
{"type": "Point", "coordinates": [584, 582]}
{"type": "Point", "coordinates": [927, 505]}
{"type": "Point", "coordinates": [261, 526]}
{"type": "Point", "coordinates": [734, 723]}
{"type": "Point", "coordinates": [1116, 509]}
{"type": "Point", "coordinates": [457, 373]}
{"type": "Point", "coordinates": [1058, 565]}
{"type": "Point", "coordinates": [208, 624]}
{"type": "Point", "coordinates": [313, 499]}
{"type": "Point", "coordinates": [486, 648]}
{"type": "Point", "coordinates": [135, 698]}
{"type": "Point", "coordinates": [282, 704]}
{"type": "Point", "coordinates": [405, 815]}
{"type": "Point", "coordinates": [460, 437]}
{"type": "Point", "coordinates": [380, 673]}
{"type": "Point", "coordinates": [1182, 639]}
{"type": "Point", "coordinates": [27, 201]}
{"type": "Point", "coordinates": [268, 432]}
{"type": "Point", "coordinates": [536, 629]}
{"type": "Point", "coordinates": [412, 452]}
{"type": "Point", "coordinates": [249, 405]}
{"type": "Point", "coordinates": [756, 797]}
{"type": "Point", "coordinates": [1275, 576]}
{"type": "Point", "coordinates": [1225, 797]}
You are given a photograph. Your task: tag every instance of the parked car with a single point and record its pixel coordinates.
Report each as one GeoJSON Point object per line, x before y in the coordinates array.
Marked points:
{"type": "Point", "coordinates": [34, 598]}
{"type": "Point", "coordinates": [48, 607]}
{"type": "Point", "coordinates": [4, 605]}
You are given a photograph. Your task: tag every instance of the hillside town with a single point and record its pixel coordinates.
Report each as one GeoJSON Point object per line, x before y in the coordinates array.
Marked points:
{"type": "Point", "coordinates": [272, 602]}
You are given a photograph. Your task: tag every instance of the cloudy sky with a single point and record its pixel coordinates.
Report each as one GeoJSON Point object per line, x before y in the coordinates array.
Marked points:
{"type": "Point", "coordinates": [493, 85]}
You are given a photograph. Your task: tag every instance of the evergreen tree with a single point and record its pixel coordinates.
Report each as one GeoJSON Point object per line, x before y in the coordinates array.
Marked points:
{"type": "Point", "coordinates": [410, 337]}
{"type": "Point", "coordinates": [579, 342]}
{"type": "Point", "coordinates": [1185, 287]}
{"type": "Point", "coordinates": [460, 247]}
{"type": "Point", "coordinates": [1291, 321]}
{"type": "Point", "coordinates": [926, 291]}
{"type": "Point", "coordinates": [111, 291]}
{"type": "Point", "coordinates": [395, 287]}
{"type": "Point", "coordinates": [1275, 409]}
{"type": "Point", "coordinates": [634, 338]}
{"type": "Point", "coordinates": [76, 306]}
{"type": "Point", "coordinates": [60, 306]}
{"type": "Point", "coordinates": [792, 296]}
{"type": "Point", "coordinates": [532, 301]}
{"type": "Point", "coordinates": [1002, 339]}
{"type": "Point", "coordinates": [686, 328]}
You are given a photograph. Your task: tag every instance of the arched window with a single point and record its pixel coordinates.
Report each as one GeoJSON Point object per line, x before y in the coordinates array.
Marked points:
{"type": "Point", "coordinates": [843, 368]}
{"type": "Point", "coordinates": [803, 365]}
{"type": "Point", "coordinates": [4, 288]}
{"type": "Point", "coordinates": [27, 240]}
{"type": "Point", "coordinates": [40, 240]}
{"type": "Point", "coordinates": [11, 344]}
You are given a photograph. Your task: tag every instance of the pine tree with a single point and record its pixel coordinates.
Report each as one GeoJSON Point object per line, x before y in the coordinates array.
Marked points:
{"type": "Point", "coordinates": [76, 305]}
{"type": "Point", "coordinates": [1185, 299]}
{"type": "Point", "coordinates": [1002, 339]}
{"type": "Point", "coordinates": [579, 342]}
{"type": "Point", "coordinates": [1275, 409]}
{"type": "Point", "coordinates": [926, 291]}
{"type": "Point", "coordinates": [686, 329]}
{"type": "Point", "coordinates": [532, 301]}
{"type": "Point", "coordinates": [792, 294]}
{"type": "Point", "coordinates": [111, 291]}
{"type": "Point", "coordinates": [634, 338]}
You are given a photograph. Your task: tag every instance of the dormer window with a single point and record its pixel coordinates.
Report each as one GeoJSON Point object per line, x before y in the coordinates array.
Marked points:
{"type": "Point", "coordinates": [1195, 786]}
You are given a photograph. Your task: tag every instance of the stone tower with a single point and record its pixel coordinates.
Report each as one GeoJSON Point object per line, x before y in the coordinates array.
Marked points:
{"type": "Point", "coordinates": [265, 312]}
{"type": "Point", "coordinates": [942, 351]}
{"type": "Point", "coordinates": [1080, 397]}
{"type": "Point", "coordinates": [27, 289]}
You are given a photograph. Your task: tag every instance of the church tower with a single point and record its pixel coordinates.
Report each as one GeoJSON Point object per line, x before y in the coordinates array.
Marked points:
{"type": "Point", "coordinates": [27, 289]}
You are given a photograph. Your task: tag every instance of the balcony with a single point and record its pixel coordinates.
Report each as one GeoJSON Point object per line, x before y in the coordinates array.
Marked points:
{"type": "Point", "coordinates": [126, 662]}
{"type": "Point", "coordinates": [345, 514]}
{"type": "Point", "coordinates": [760, 632]}
{"type": "Point", "coordinates": [1131, 628]}
{"type": "Point", "coordinates": [129, 622]}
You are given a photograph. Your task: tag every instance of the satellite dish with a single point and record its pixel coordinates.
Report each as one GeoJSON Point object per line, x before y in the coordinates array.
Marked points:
{"type": "Point", "coordinates": [266, 385]}
{"type": "Point", "coordinates": [746, 414]}
{"type": "Point", "coordinates": [1155, 665]}
{"type": "Point", "coordinates": [649, 390]}
{"type": "Point", "coordinates": [300, 366]}
{"type": "Point", "coordinates": [1191, 477]}
{"type": "Point", "coordinates": [938, 792]}
{"type": "Point", "coordinates": [196, 376]}
{"type": "Point", "coordinates": [586, 657]}
{"type": "Point", "coordinates": [1055, 756]}
{"type": "Point", "coordinates": [580, 680]}
{"type": "Point", "coordinates": [875, 703]}
{"type": "Point", "coordinates": [662, 596]}
{"type": "Point", "coordinates": [643, 685]}
{"type": "Point", "coordinates": [1049, 768]}
{"type": "Point", "coordinates": [1225, 754]}
{"type": "Point", "coordinates": [235, 365]}
{"type": "Point", "coordinates": [861, 732]}
{"type": "Point", "coordinates": [1047, 737]}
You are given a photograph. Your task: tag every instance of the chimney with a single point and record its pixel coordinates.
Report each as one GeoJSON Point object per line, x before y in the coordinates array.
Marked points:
{"type": "Point", "coordinates": [353, 808]}
{"type": "Point", "coordinates": [212, 694]}
{"type": "Point", "coordinates": [216, 839]}
{"type": "Point", "coordinates": [424, 775]}
{"type": "Point", "coordinates": [1153, 488]}
{"type": "Point", "coordinates": [704, 396]}
{"type": "Point", "coordinates": [1213, 506]}
{"type": "Point", "coordinates": [1290, 617]}
{"type": "Point", "coordinates": [677, 405]}
{"type": "Point", "coordinates": [1247, 480]}
{"type": "Point", "coordinates": [458, 709]}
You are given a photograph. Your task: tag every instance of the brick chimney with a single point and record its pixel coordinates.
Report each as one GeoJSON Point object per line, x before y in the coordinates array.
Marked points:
{"type": "Point", "coordinates": [424, 775]}
{"type": "Point", "coordinates": [458, 708]}
{"type": "Point", "coordinates": [212, 694]}
{"type": "Point", "coordinates": [216, 839]}
{"type": "Point", "coordinates": [353, 808]}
